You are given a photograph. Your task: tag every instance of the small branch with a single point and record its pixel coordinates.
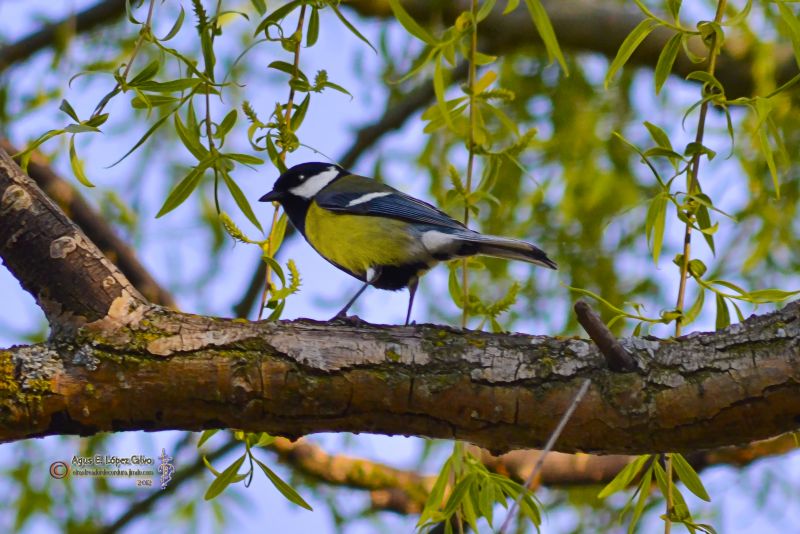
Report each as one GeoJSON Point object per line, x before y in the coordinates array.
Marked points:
{"type": "Point", "coordinates": [547, 448]}
{"type": "Point", "coordinates": [619, 360]}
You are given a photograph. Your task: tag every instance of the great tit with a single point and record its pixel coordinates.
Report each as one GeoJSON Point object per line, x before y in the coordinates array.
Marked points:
{"type": "Point", "coordinates": [377, 234]}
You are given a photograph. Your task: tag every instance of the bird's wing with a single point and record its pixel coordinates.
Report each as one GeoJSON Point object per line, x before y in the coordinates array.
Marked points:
{"type": "Point", "coordinates": [380, 200]}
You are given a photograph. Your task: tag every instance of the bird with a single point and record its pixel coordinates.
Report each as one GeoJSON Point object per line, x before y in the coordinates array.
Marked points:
{"type": "Point", "coordinates": [379, 235]}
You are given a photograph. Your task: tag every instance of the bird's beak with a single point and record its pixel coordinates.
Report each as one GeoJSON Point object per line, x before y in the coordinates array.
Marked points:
{"type": "Point", "coordinates": [272, 196]}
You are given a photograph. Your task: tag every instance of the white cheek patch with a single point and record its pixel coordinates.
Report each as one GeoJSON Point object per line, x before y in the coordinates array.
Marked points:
{"type": "Point", "coordinates": [436, 241]}
{"type": "Point", "coordinates": [314, 184]}
{"type": "Point", "coordinates": [366, 198]}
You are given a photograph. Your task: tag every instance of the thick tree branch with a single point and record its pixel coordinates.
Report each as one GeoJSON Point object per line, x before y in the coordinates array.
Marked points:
{"type": "Point", "coordinates": [69, 277]}
{"type": "Point", "coordinates": [598, 27]}
{"type": "Point", "coordinates": [134, 366]}
{"type": "Point", "coordinates": [95, 227]}
{"type": "Point", "coordinates": [405, 491]}
{"type": "Point", "coordinates": [497, 391]}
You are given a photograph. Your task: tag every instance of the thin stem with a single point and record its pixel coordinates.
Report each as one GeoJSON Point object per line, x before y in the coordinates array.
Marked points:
{"type": "Point", "coordinates": [670, 504]}
{"type": "Point", "coordinates": [471, 146]}
{"type": "Point", "coordinates": [282, 155]}
{"type": "Point", "coordinates": [547, 448]}
{"type": "Point", "coordinates": [693, 183]}
{"type": "Point", "coordinates": [692, 186]}
{"type": "Point", "coordinates": [146, 28]}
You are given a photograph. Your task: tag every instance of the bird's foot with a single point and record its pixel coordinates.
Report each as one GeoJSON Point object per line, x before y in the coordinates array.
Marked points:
{"type": "Point", "coordinates": [352, 320]}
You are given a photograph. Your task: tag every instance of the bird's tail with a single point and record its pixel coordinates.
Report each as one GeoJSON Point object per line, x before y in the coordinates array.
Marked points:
{"type": "Point", "coordinates": [513, 249]}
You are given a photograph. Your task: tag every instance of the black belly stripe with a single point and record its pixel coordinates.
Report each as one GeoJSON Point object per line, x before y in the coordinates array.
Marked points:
{"type": "Point", "coordinates": [395, 277]}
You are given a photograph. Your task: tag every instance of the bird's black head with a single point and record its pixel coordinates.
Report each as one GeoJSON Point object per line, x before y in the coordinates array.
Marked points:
{"type": "Point", "coordinates": [303, 181]}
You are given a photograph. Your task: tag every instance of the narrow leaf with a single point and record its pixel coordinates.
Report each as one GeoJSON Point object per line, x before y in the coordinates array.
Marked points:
{"type": "Point", "coordinates": [77, 164]}
{"type": "Point", "coordinates": [629, 46]}
{"type": "Point", "coordinates": [546, 32]}
{"type": "Point", "coordinates": [285, 489]}
{"type": "Point", "coordinates": [411, 25]}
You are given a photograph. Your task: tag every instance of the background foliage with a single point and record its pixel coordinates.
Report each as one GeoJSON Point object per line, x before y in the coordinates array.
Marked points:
{"type": "Point", "coordinates": [174, 118]}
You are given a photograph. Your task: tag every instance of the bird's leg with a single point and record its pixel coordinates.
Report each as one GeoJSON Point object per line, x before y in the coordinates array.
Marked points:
{"type": "Point", "coordinates": [372, 275]}
{"type": "Point", "coordinates": [343, 312]}
{"type": "Point", "coordinates": [412, 290]}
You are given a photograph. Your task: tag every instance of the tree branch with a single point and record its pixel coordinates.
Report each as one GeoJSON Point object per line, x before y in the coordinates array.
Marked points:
{"type": "Point", "coordinates": [69, 277]}
{"type": "Point", "coordinates": [153, 369]}
{"type": "Point", "coordinates": [497, 391]}
{"type": "Point", "coordinates": [598, 27]}
{"type": "Point", "coordinates": [98, 15]}
{"type": "Point", "coordinates": [95, 227]}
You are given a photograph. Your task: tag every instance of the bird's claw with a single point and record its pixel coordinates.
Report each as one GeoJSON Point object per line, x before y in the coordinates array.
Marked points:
{"type": "Point", "coordinates": [353, 320]}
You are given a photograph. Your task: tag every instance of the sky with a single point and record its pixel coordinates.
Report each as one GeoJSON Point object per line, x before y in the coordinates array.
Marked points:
{"type": "Point", "coordinates": [171, 258]}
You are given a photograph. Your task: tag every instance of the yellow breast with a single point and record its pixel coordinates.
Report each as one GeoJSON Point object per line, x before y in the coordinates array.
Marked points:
{"type": "Point", "coordinates": [358, 242]}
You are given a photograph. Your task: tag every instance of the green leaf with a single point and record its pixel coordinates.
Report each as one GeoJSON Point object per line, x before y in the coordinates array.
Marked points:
{"type": "Point", "coordinates": [185, 187]}
{"type": "Point", "coordinates": [224, 479]}
{"type": "Point", "coordinates": [484, 82]}
{"type": "Point", "coordinates": [245, 159]}
{"type": "Point", "coordinates": [707, 229]}
{"type": "Point", "coordinates": [763, 109]}
{"type": "Point", "coordinates": [300, 113]}
{"type": "Point", "coordinates": [689, 476]}
{"type": "Point", "coordinates": [227, 124]}
{"type": "Point", "coordinates": [288, 68]}
{"type": "Point", "coordinates": [697, 268]}
{"type": "Point", "coordinates": [691, 314]}
{"type": "Point", "coordinates": [439, 88]}
{"type": "Point", "coordinates": [172, 86]}
{"type": "Point", "coordinates": [175, 27]}
{"type": "Point", "coordinates": [458, 494]}
{"type": "Point", "coordinates": [624, 477]}
{"type": "Point", "coordinates": [350, 26]}
{"type": "Point", "coordinates": [277, 15]}
{"type": "Point", "coordinates": [67, 108]}
{"type": "Point", "coordinates": [644, 493]}
{"type": "Point", "coordinates": [723, 314]}
{"type": "Point", "coordinates": [411, 26]}
{"type": "Point", "coordinates": [77, 164]}
{"type": "Point", "coordinates": [312, 33]}
{"type": "Point", "coordinates": [285, 489]}
{"type": "Point", "coordinates": [666, 59]}
{"type": "Point", "coordinates": [152, 101]}
{"type": "Point", "coordinates": [190, 138]}
{"type": "Point", "coordinates": [659, 135]}
{"type": "Point", "coordinates": [485, 10]}
{"type": "Point", "coordinates": [655, 223]}
{"type": "Point", "coordinates": [546, 32]}
{"type": "Point", "coordinates": [150, 70]}
{"type": "Point", "coordinates": [763, 296]}
{"type": "Point", "coordinates": [241, 200]}
{"type": "Point", "coordinates": [629, 46]}
{"type": "Point", "coordinates": [206, 435]}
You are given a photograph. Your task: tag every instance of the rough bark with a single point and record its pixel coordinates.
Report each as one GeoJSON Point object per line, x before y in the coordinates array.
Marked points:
{"type": "Point", "coordinates": [166, 370]}
{"type": "Point", "coordinates": [94, 226]}
{"type": "Point", "coordinates": [116, 362]}
{"type": "Point", "coordinates": [69, 277]}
